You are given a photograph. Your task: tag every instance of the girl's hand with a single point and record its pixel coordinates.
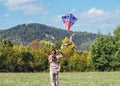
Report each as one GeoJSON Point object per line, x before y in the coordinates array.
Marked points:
{"type": "Point", "coordinates": [73, 34]}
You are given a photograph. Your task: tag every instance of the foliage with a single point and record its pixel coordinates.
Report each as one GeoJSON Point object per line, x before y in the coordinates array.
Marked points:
{"type": "Point", "coordinates": [117, 32]}
{"type": "Point", "coordinates": [104, 54]}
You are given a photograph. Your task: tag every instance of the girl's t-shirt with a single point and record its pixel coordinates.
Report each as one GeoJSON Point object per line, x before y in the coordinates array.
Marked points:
{"type": "Point", "coordinates": [55, 65]}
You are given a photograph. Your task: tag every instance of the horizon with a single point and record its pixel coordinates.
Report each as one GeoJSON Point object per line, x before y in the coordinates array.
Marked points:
{"type": "Point", "coordinates": [93, 16]}
{"type": "Point", "coordinates": [46, 25]}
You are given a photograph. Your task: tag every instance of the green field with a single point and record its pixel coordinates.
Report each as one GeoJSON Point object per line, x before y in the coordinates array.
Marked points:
{"type": "Point", "coordinates": [65, 79]}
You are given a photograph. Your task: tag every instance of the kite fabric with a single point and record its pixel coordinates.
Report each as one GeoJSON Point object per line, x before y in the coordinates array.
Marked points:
{"type": "Point", "coordinates": [69, 20]}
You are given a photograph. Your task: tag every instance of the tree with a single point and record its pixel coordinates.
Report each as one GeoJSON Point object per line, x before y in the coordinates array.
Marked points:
{"type": "Point", "coordinates": [117, 32]}
{"type": "Point", "coordinates": [67, 63]}
{"type": "Point", "coordinates": [115, 63]}
{"type": "Point", "coordinates": [35, 44]}
{"type": "Point", "coordinates": [83, 61]}
{"type": "Point", "coordinates": [90, 65]}
{"type": "Point", "coordinates": [116, 56]}
{"type": "Point", "coordinates": [102, 52]}
{"type": "Point", "coordinates": [74, 62]}
{"type": "Point", "coordinates": [5, 43]}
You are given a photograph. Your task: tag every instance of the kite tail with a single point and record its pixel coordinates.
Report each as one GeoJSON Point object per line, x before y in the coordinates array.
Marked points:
{"type": "Point", "coordinates": [69, 30]}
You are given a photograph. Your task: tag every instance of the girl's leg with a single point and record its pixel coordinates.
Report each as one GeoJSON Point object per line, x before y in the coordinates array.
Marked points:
{"type": "Point", "coordinates": [52, 79]}
{"type": "Point", "coordinates": [56, 79]}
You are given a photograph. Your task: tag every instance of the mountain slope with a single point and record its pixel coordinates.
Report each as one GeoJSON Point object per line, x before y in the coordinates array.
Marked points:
{"type": "Point", "coordinates": [25, 33]}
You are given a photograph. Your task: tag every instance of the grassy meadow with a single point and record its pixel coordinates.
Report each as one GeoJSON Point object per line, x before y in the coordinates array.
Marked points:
{"type": "Point", "coordinates": [65, 79]}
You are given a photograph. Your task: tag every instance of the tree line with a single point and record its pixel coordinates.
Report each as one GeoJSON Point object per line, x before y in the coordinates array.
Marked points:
{"type": "Point", "coordinates": [103, 55]}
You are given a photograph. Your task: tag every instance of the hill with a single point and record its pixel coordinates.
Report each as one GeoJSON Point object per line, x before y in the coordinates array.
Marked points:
{"type": "Point", "coordinates": [25, 33]}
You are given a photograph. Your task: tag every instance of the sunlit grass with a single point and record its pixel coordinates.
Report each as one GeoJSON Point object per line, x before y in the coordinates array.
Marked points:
{"type": "Point", "coordinates": [65, 79]}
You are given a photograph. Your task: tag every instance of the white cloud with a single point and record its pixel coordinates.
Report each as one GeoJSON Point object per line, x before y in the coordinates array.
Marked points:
{"type": "Point", "coordinates": [73, 10]}
{"type": "Point", "coordinates": [30, 22]}
{"type": "Point", "coordinates": [96, 12]}
{"type": "Point", "coordinates": [17, 2]}
{"type": "Point", "coordinates": [98, 19]}
{"type": "Point", "coordinates": [57, 18]}
{"type": "Point", "coordinates": [7, 15]}
{"type": "Point", "coordinates": [81, 24]}
{"type": "Point", "coordinates": [117, 13]}
{"type": "Point", "coordinates": [107, 25]}
{"type": "Point", "coordinates": [29, 7]}
{"type": "Point", "coordinates": [54, 20]}
{"type": "Point", "coordinates": [93, 13]}
{"type": "Point", "coordinates": [107, 28]}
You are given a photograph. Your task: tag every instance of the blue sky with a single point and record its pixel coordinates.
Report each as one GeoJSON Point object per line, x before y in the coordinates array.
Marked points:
{"type": "Point", "coordinates": [93, 15]}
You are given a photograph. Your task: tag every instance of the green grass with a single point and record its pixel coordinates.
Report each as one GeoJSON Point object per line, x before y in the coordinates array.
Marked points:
{"type": "Point", "coordinates": [65, 79]}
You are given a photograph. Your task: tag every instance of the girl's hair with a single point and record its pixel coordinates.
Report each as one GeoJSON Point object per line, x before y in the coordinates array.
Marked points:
{"type": "Point", "coordinates": [53, 51]}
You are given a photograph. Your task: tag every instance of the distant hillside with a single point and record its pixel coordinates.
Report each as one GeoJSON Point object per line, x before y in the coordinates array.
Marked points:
{"type": "Point", "coordinates": [1, 30]}
{"type": "Point", "coordinates": [25, 33]}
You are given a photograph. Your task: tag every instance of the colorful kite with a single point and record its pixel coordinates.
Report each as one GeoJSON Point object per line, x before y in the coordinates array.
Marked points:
{"type": "Point", "coordinates": [69, 20]}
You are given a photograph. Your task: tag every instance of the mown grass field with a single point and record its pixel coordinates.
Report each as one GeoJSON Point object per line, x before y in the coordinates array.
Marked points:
{"type": "Point", "coordinates": [65, 79]}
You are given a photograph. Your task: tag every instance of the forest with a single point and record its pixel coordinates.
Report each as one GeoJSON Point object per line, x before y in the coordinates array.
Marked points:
{"type": "Point", "coordinates": [103, 53]}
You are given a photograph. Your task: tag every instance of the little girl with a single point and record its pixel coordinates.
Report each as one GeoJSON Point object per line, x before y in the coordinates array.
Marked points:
{"type": "Point", "coordinates": [54, 67]}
